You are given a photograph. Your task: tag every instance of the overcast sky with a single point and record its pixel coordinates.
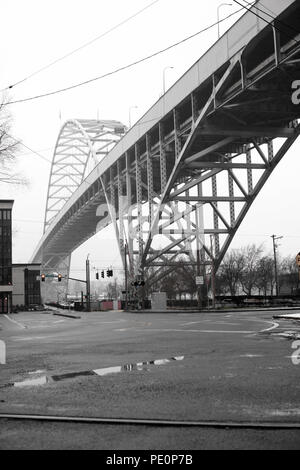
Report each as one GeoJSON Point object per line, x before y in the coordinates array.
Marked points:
{"type": "Point", "coordinates": [35, 33]}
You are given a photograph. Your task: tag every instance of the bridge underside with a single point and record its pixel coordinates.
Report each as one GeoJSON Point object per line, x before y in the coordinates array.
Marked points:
{"type": "Point", "coordinates": [183, 189]}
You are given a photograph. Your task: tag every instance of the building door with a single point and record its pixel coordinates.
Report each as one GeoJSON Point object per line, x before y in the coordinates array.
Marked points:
{"type": "Point", "coordinates": [4, 300]}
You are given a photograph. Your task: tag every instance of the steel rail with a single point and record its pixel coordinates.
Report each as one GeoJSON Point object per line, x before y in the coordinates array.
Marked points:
{"type": "Point", "coordinates": [155, 422]}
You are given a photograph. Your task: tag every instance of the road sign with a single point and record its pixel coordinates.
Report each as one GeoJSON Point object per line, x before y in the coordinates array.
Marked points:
{"type": "Point", "coordinates": [298, 259]}
{"type": "Point", "coordinates": [199, 280]}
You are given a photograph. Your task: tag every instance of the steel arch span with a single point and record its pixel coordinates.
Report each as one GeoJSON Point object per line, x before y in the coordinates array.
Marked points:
{"type": "Point", "coordinates": [80, 146]}
{"type": "Point", "coordinates": [180, 182]}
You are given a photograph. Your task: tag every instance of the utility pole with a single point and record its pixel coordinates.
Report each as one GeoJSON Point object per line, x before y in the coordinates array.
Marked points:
{"type": "Point", "coordinates": [88, 285]}
{"type": "Point", "coordinates": [275, 263]}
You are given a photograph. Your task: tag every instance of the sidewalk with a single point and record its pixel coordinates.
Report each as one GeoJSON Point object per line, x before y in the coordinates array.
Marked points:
{"type": "Point", "coordinates": [229, 310]}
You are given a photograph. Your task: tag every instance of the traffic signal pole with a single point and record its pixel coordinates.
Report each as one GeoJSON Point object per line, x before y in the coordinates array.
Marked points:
{"type": "Point", "coordinates": [88, 285]}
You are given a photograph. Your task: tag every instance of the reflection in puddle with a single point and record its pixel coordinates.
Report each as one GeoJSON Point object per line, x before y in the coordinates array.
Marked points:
{"type": "Point", "coordinates": [251, 355]}
{"type": "Point", "coordinates": [101, 372]}
{"type": "Point", "coordinates": [140, 366]}
{"type": "Point", "coordinates": [108, 370]}
{"type": "Point", "coordinates": [36, 372]}
{"type": "Point", "coordinates": [71, 375]}
{"type": "Point", "coordinates": [292, 411]}
{"type": "Point", "coordinates": [32, 382]}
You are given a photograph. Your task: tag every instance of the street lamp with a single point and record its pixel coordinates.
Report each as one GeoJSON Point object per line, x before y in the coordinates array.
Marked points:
{"type": "Point", "coordinates": [129, 112]}
{"type": "Point", "coordinates": [218, 14]}
{"type": "Point", "coordinates": [164, 77]}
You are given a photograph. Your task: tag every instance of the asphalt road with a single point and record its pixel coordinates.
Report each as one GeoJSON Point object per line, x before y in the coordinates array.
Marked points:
{"type": "Point", "coordinates": [230, 367]}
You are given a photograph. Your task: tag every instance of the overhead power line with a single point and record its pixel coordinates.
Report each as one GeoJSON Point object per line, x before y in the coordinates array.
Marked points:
{"type": "Point", "coordinates": [126, 20]}
{"type": "Point", "coordinates": [125, 67]}
{"type": "Point", "coordinates": [266, 21]}
{"type": "Point", "coordinates": [273, 17]}
{"type": "Point", "coordinates": [28, 148]}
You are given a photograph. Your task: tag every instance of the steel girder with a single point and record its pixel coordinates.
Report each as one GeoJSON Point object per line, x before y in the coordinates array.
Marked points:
{"type": "Point", "coordinates": [194, 183]}
{"type": "Point", "coordinates": [184, 187]}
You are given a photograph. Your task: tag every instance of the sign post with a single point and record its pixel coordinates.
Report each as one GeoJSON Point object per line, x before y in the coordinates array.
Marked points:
{"type": "Point", "coordinates": [199, 280]}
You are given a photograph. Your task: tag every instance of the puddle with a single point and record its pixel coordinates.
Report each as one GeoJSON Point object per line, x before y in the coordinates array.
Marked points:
{"type": "Point", "coordinates": [292, 411]}
{"type": "Point", "coordinates": [288, 334]}
{"type": "Point", "coordinates": [32, 382]}
{"type": "Point", "coordinates": [108, 370]}
{"type": "Point", "coordinates": [71, 375]}
{"type": "Point", "coordinates": [36, 372]}
{"type": "Point", "coordinates": [139, 366]}
{"type": "Point", "coordinates": [251, 355]}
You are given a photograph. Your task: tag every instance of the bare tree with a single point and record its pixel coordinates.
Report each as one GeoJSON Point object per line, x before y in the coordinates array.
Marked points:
{"type": "Point", "coordinates": [265, 275]}
{"type": "Point", "coordinates": [113, 290]}
{"type": "Point", "coordinates": [288, 274]}
{"type": "Point", "coordinates": [178, 282]}
{"type": "Point", "coordinates": [8, 149]}
{"type": "Point", "coordinates": [251, 255]}
{"type": "Point", "coordinates": [231, 270]}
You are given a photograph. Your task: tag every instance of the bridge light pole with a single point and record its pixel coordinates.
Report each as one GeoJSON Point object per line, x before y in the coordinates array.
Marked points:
{"type": "Point", "coordinates": [218, 14]}
{"type": "Point", "coordinates": [164, 77]}
{"type": "Point", "coordinates": [129, 114]}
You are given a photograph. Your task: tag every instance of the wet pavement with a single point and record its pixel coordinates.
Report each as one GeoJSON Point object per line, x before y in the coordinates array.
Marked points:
{"type": "Point", "coordinates": [230, 365]}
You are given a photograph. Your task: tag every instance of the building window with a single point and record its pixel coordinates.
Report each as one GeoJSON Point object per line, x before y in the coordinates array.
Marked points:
{"type": "Point", "coordinates": [32, 287]}
{"type": "Point", "coordinates": [5, 248]}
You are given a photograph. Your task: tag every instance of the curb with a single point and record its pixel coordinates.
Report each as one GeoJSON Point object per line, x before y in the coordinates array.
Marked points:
{"type": "Point", "coordinates": [262, 309]}
{"type": "Point", "coordinates": [289, 317]}
{"type": "Point", "coordinates": [66, 315]}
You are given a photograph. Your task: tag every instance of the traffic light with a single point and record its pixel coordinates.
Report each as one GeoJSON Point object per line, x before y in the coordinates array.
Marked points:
{"type": "Point", "coordinates": [97, 275]}
{"type": "Point", "coordinates": [108, 273]}
{"type": "Point", "coordinates": [43, 277]}
{"type": "Point", "coordinates": [102, 273]}
{"type": "Point", "coordinates": [138, 283]}
{"type": "Point", "coordinates": [59, 277]}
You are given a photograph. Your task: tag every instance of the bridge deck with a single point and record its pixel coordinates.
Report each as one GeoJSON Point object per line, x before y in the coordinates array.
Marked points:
{"type": "Point", "coordinates": [77, 222]}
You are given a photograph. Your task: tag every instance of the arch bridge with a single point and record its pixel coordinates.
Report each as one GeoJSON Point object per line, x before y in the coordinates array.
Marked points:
{"type": "Point", "coordinates": [178, 184]}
